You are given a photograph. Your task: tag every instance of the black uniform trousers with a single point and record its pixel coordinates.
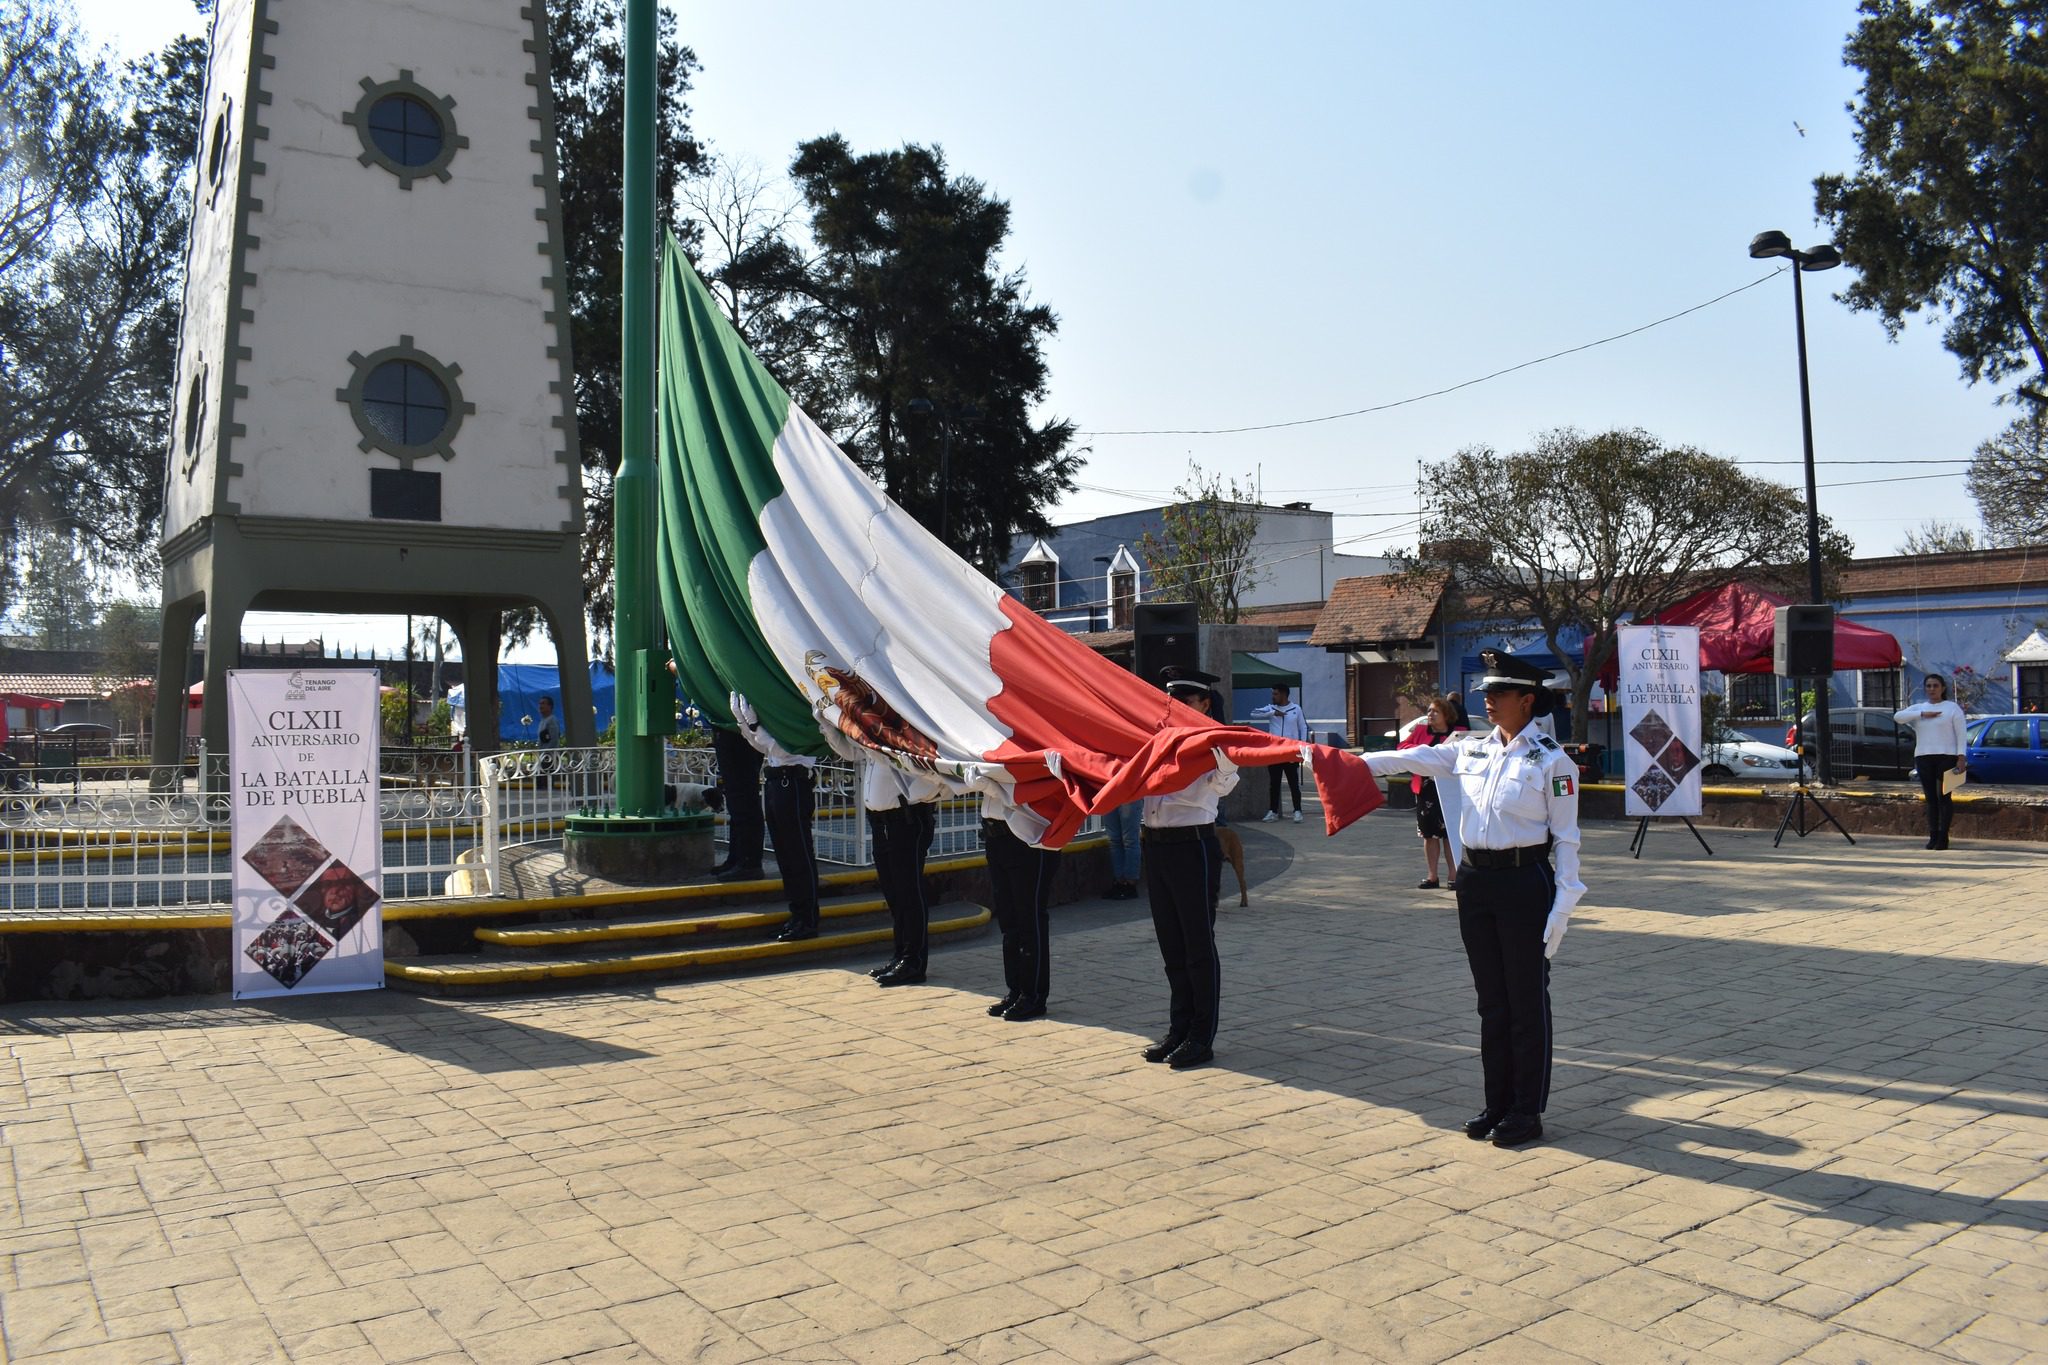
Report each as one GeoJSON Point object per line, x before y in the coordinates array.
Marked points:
{"type": "Point", "coordinates": [790, 803]}
{"type": "Point", "coordinates": [739, 778]}
{"type": "Point", "coordinates": [1501, 913]}
{"type": "Point", "coordinates": [1292, 771]}
{"type": "Point", "coordinates": [1020, 882]}
{"type": "Point", "coordinates": [1177, 884]}
{"type": "Point", "coordinates": [902, 837]}
{"type": "Point", "coordinates": [1941, 806]}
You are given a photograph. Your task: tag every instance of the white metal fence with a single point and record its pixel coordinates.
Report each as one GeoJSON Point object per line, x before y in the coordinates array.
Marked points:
{"type": "Point", "coordinates": [115, 835]}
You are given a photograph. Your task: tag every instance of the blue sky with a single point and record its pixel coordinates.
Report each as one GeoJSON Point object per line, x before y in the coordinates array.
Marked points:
{"type": "Point", "coordinates": [1247, 217]}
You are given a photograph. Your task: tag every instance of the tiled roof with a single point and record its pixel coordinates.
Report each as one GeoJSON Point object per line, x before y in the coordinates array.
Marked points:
{"type": "Point", "coordinates": [1282, 615]}
{"type": "Point", "coordinates": [2021, 566]}
{"type": "Point", "coordinates": [61, 686]}
{"type": "Point", "coordinates": [1384, 607]}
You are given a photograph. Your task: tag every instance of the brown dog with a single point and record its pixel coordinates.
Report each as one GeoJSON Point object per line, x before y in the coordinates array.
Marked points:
{"type": "Point", "coordinates": [1233, 853]}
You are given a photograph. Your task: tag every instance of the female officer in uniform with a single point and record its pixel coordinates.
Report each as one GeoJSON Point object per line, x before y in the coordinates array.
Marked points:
{"type": "Point", "coordinates": [1518, 824]}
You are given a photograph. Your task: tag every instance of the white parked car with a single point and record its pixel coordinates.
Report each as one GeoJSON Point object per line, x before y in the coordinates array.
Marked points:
{"type": "Point", "coordinates": [1732, 756]}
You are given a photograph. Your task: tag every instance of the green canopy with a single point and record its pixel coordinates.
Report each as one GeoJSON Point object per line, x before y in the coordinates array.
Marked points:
{"type": "Point", "coordinates": [1249, 670]}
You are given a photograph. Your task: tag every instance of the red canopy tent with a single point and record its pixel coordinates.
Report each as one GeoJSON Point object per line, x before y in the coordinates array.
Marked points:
{"type": "Point", "coordinates": [21, 701]}
{"type": "Point", "coordinates": [1737, 622]}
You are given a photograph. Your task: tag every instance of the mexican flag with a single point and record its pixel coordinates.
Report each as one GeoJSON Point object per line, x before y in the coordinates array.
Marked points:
{"type": "Point", "coordinates": [790, 578]}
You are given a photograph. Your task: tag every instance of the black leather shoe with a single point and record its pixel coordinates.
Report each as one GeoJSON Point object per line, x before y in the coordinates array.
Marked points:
{"type": "Point", "coordinates": [1028, 1007]}
{"type": "Point", "coordinates": [742, 874]}
{"type": "Point", "coordinates": [905, 975]}
{"type": "Point", "coordinates": [887, 967]}
{"type": "Point", "coordinates": [1516, 1129]}
{"type": "Point", "coordinates": [1481, 1125]}
{"type": "Point", "coordinates": [796, 933]}
{"type": "Point", "coordinates": [1162, 1049]}
{"type": "Point", "coordinates": [1189, 1054]}
{"type": "Point", "coordinates": [1002, 1006]}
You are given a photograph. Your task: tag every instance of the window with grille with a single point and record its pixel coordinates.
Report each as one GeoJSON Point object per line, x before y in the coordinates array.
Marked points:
{"type": "Point", "coordinates": [1035, 586]}
{"type": "Point", "coordinates": [1123, 597]}
{"type": "Point", "coordinates": [1881, 687]}
{"type": "Point", "coordinates": [2033, 689]}
{"type": "Point", "coordinates": [1753, 694]}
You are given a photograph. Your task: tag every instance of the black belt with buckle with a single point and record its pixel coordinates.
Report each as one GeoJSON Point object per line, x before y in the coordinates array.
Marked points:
{"type": "Point", "coordinates": [1508, 857]}
{"type": "Point", "coordinates": [1175, 834]}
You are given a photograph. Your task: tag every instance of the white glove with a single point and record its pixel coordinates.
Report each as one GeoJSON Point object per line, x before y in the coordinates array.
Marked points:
{"type": "Point", "coordinates": [1553, 931]}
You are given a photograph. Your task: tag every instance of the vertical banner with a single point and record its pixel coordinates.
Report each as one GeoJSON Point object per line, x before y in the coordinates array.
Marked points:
{"type": "Point", "coordinates": [1660, 711]}
{"type": "Point", "coordinates": [308, 844]}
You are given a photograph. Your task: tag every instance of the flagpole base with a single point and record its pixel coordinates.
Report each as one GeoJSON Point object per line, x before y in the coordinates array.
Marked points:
{"type": "Point", "coordinates": [640, 850]}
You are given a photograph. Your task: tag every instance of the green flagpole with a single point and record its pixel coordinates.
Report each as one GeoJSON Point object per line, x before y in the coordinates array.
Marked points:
{"type": "Point", "coordinates": [639, 839]}
{"type": "Point", "coordinates": [637, 635]}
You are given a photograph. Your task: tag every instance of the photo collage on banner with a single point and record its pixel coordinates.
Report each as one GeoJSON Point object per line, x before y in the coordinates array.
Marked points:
{"type": "Point", "coordinates": [307, 841]}
{"type": "Point", "coordinates": [1660, 713]}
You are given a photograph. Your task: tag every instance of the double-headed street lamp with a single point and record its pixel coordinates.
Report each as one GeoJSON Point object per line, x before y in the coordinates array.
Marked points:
{"type": "Point", "coordinates": [1768, 246]}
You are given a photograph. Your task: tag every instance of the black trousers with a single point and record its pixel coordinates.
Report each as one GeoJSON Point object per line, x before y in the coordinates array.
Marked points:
{"type": "Point", "coordinates": [739, 777]}
{"type": "Point", "coordinates": [1177, 883]}
{"type": "Point", "coordinates": [1941, 806]}
{"type": "Point", "coordinates": [1273, 774]}
{"type": "Point", "coordinates": [1020, 882]}
{"type": "Point", "coordinates": [1501, 913]}
{"type": "Point", "coordinates": [789, 806]}
{"type": "Point", "coordinates": [903, 836]}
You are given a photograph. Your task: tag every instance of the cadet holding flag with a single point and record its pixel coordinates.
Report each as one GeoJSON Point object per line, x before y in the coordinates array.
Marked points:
{"type": "Point", "coordinates": [1518, 824]}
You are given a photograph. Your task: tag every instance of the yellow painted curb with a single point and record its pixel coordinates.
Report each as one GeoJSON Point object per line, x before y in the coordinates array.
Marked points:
{"type": "Point", "coordinates": [563, 935]}
{"type": "Point", "coordinates": [513, 973]}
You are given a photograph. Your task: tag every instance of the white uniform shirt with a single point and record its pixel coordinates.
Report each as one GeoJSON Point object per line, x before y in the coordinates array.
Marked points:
{"type": "Point", "coordinates": [884, 786]}
{"type": "Point", "coordinates": [764, 743]}
{"type": "Point", "coordinates": [1938, 733]}
{"type": "Point", "coordinates": [1509, 794]}
{"type": "Point", "coordinates": [1194, 804]}
{"type": "Point", "coordinates": [1285, 721]}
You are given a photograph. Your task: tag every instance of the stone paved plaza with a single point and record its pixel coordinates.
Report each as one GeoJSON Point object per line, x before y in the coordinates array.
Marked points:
{"type": "Point", "coordinates": [1801, 1110]}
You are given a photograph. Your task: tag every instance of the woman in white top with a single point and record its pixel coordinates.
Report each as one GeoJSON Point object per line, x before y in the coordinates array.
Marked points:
{"type": "Point", "coordinates": [1938, 747]}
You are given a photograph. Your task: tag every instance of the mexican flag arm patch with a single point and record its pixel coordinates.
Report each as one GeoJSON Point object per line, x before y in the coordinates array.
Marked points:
{"type": "Point", "coordinates": [1562, 786]}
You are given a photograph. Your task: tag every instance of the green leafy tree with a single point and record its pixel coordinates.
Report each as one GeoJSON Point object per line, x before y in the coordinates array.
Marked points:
{"type": "Point", "coordinates": [589, 85]}
{"type": "Point", "coordinates": [1948, 208]}
{"type": "Point", "coordinates": [94, 203]}
{"type": "Point", "coordinates": [930, 353]}
{"type": "Point", "coordinates": [127, 636]}
{"type": "Point", "coordinates": [60, 591]}
{"type": "Point", "coordinates": [2009, 479]}
{"type": "Point", "coordinates": [1203, 554]}
{"type": "Point", "coordinates": [1586, 532]}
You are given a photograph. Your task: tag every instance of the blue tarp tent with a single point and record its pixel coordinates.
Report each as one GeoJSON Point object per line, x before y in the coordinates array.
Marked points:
{"type": "Point", "coordinates": [520, 688]}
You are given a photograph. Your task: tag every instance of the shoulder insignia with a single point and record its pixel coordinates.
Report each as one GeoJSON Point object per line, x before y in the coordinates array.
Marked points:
{"type": "Point", "coordinates": [1546, 741]}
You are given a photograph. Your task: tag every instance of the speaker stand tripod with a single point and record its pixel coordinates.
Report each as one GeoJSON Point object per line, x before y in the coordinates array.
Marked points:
{"type": "Point", "coordinates": [1801, 799]}
{"type": "Point", "coordinates": [1635, 847]}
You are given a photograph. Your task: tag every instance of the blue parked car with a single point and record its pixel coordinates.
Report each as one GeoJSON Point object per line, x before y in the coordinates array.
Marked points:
{"type": "Point", "coordinates": [2009, 749]}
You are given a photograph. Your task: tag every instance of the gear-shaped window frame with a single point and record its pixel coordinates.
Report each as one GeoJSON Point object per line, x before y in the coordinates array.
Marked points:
{"type": "Point", "coordinates": [446, 375]}
{"type": "Point", "coordinates": [443, 107]}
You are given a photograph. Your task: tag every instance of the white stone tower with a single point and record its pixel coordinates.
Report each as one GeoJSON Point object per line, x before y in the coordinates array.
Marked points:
{"type": "Point", "coordinates": [376, 409]}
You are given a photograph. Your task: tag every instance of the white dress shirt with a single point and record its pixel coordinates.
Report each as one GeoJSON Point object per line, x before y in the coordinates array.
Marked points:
{"type": "Point", "coordinates": [1937, 728]}
{"type": "Point", "coordinates": [1194, 804]}
{"type": "Point", "coordinates": [1284, 720]}
{"type": "Point", "coordinates": [884, 786]}
{"type": "Point", "coordinates": [765, 744]}
{"type": "Point", "coordinates": [1510, 793]}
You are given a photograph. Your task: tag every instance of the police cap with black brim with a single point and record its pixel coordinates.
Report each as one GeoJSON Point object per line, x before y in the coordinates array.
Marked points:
{"type": "Point", "coordinates": [1506, 671]}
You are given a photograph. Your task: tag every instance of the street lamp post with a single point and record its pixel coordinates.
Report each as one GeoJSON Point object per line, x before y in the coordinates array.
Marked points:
{"type": "Point", "coordinates": [1769, 246]}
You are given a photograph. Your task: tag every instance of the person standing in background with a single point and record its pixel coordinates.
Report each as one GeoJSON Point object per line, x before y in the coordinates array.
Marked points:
{"type": "Point", "coordinates": [1438, 725]}
{"type": "Point", "coordinates": [1285, 720]}
{"type": "Point", "coordinates": [549, 732]}
{"type": "Point", "coordinates": [739, 781]}
{"type": "Point", "coordinates": [1121, 824]}
{"type": "Point", "coordinates": [1939, 747]}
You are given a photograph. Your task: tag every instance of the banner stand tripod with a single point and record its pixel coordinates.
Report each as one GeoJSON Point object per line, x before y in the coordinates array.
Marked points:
{"type": "Point", "coordinates": [1635, 847]}
{"type": "Point", "coordinates": [1802, 798]}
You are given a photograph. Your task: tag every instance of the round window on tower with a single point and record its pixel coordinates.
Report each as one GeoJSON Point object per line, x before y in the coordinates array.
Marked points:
{"type": "Point", "coordinates": [195, 419]}
{"type": "Point", "coordinates": [217, 143]}
{"type": "Point", "coordinates": [405, 128]}
{"type": "Point", "coordinates": [405, 402]}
